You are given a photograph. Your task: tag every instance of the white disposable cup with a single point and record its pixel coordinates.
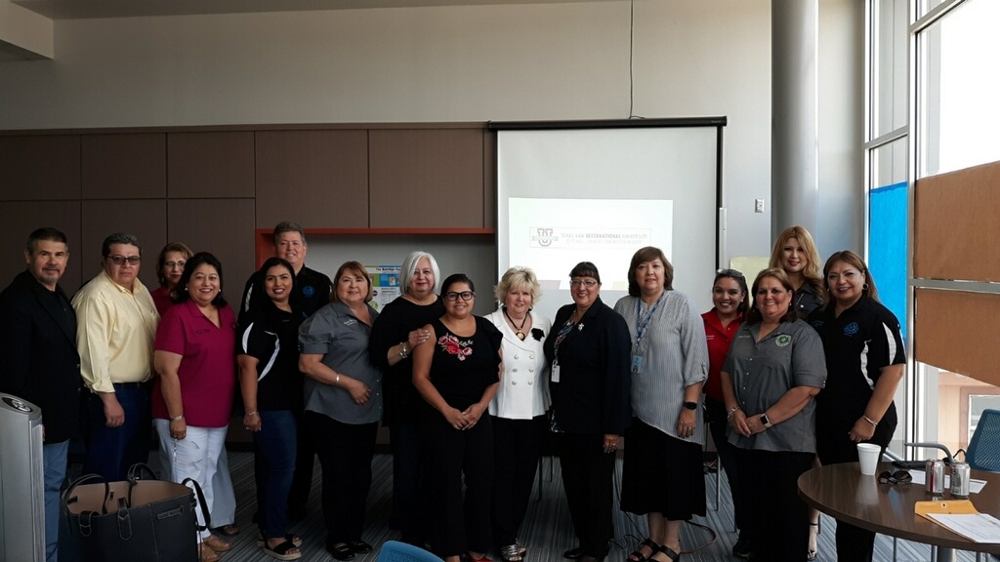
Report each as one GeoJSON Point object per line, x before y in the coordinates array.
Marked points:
{"type": "Point", "coordinates": [868, 455]}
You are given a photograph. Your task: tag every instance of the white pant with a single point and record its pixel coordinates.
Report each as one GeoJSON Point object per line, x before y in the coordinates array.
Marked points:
{"type": "Point", "coordinates": [197, 456]}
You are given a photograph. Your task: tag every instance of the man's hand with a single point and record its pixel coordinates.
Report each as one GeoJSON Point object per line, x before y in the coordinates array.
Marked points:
{"type": "Point", "coordinates": [114, 414]}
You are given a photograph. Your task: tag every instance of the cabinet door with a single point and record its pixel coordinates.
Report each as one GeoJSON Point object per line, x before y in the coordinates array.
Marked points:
{"type": "Point", "coordinates": [39, 167]}
{"type": "Point", "coordinates": [124, 166]}
{"type": "Point", "coordinates": [427, 178]}
{"type": "Point", "coordinates": [318, 179]}
{"type": "Point", "coordinates": [210, 164]}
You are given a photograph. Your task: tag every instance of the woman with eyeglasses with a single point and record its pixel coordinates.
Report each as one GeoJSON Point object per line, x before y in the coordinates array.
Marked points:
{"type": "Point", "coordinates": [865, 361]}
{"type": "Point", "coordinates": [193, 395]}
{"type": "Point", "coordinates": [773, 371]}
{"type": "Point", "coordinates": [663, 476]}
{"type": "Point", "coordinates": [518, 409]}
{"type": "Point", "coordinates": [729, 300]}
{"type": "Point", "coordinates": [590, 385]}
{"type": "Point", "coordinates": [343, 405]}
{"type": "Point", "coordinates": [169, 268]}
{"type": "Point", "coordinates": [397, 332]}
{"type": "Point", "coordinates": [458, 374]}
{"type": "Point", "coordinates": [795, 252]}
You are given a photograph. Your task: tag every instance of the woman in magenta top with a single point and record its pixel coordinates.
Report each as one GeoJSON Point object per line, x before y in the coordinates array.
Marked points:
{"type": "Point", "coordinates": [194, 355]}
{"type": "Point", "coordinates": [729, 300]}
{"type": "Point", "coordinates": [169, 268]}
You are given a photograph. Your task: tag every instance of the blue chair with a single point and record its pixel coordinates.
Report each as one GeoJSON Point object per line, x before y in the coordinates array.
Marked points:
{"type": "Point", "coordinates": [984, 449]}
{"type": "Point", "coordinates": [395, 551]}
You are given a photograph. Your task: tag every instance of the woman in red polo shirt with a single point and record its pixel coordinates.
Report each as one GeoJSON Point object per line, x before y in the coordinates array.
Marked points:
{"type": "Point", "coordinates": [194, 355]}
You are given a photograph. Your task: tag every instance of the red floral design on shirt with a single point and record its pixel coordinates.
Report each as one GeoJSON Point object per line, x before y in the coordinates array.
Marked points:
{"type": "Point", "coordinates": [454, 346]}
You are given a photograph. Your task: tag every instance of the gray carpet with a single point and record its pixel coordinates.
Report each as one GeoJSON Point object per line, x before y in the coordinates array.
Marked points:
{"type": "Point", "coordinates": [547, 531]}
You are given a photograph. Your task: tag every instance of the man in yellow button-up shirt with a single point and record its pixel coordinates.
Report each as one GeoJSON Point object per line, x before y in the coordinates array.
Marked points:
{"type": "Point", "coordinates": [116, 326]}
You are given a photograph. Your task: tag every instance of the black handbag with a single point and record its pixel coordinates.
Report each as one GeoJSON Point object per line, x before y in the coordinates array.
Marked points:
{"type": "Point", "coordinates": [139, 519]}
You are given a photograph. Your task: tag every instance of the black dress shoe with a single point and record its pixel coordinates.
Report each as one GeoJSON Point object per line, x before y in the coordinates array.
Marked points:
{"type": "Point", "coordinates": [340, 551]}
{"type": "Point", "coordinates": [573, 553]}
{"type": "Point", "coordinates": [359, 546]}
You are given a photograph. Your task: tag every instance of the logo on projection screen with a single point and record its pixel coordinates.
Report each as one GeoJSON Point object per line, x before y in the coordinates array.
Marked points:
{"type": "Point", "coordinates": [589, 237]}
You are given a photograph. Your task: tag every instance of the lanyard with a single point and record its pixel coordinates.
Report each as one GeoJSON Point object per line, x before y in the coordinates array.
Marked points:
{"type": "Point", "coordinates": [643, 322]}
{"type": "Point", "coordinates": [563, 332]}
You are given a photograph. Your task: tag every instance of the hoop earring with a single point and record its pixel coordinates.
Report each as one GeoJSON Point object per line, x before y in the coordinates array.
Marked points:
{"type": "Point", "coordinates": [864, 287]}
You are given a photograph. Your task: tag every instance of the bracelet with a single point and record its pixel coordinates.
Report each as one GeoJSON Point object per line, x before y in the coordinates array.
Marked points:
{"type": "Point", "coordinates": [251, 414]}
{"type": "Point", "coordinates": [337, 382]}
{"type": "Point", "coordinates": [729, 416]}
{"type": "Point", "coordinates": [869, 420]}
{"type": "Point", "coordinates": [403, 354]}
{"type": "Point", "coordinates": [177, 418]}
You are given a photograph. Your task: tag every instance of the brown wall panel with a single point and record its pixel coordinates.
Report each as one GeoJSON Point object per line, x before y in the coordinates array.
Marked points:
{"type": "Point", "coordinates": [224, 227]}
{"type": "Point", "coordinates": [948, 332]}
{"type": "Point", "coordinates": [210, 165]}
{"type": "Point", "coordinates": [490, 179]}
{"type": "Point", "coordinates": [125, 166]}
{"type": "Point", "coordinates": [316, 178]}
{"type": "Point", "coordinates": [42, 167]}
{"type": "Point", "coordinates": [427, 178]}
{"type": "Point", "coordinates": [18, 219]}
{"type": "Point", "coordinates": [955, 219]}
{"type": "Point", "coordinates": [147, 219]}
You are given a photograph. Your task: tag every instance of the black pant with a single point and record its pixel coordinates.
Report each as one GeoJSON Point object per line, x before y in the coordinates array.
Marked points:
{"type": "Point", "coordinates": [715, 415]}
{"type": "Point", "coordinates": [345, 455]}
{"type": "Point", "coordinates": [853, 543]}
{"type": "Point", "coordinates": [409, 492]}
{"type": "Point", "coordinates": [518, 444]}
{"type": "Point", "coordinates": [305, 454]}
{"type": "Point", "coordinates": [779, 525]}
{"type": "Point", "coordinates": [588, 479]}
{"type": "Point", "coordinates": [458, 524]}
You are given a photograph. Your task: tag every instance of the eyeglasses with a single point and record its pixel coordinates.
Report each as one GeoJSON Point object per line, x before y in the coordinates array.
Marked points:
{"type": "Point", "coordinates": [588, 283]}
{"type": "Point", "coordinates": [466, 296]}
{"type": "Point", "coordinates": [730, 273]}
{"type": "Point", "coordinates": [898, 477]}
{"type": "Point", "coordinates": [170, 264]}
{"type": "Point", "coordinates": [120, 260]}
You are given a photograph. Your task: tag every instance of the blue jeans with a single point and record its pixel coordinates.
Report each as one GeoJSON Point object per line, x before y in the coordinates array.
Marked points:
{"type": "Point", "coordinates": [112, 450]}
{"type": "Point", "coordinates": [274, 466]}
{"type": "Point", "coordinates": [54, 463]}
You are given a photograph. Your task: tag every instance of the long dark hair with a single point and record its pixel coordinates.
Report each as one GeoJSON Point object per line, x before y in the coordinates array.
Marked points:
{"type": "Point", "coordinates": [196, 261]}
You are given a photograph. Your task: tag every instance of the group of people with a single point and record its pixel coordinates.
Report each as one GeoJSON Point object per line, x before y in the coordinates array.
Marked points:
{"type": "Point", "coordinates": [795, 370]}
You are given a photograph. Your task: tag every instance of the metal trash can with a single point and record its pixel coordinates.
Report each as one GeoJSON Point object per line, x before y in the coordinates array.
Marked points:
{"type": "Point", "coordinates": [22, 483]}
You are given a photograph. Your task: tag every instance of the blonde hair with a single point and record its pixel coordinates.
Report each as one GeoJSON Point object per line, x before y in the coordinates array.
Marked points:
{"type": "Point", "coordinates": [517, 277]}
{"type": "Point", "coordinates": [812, 273]}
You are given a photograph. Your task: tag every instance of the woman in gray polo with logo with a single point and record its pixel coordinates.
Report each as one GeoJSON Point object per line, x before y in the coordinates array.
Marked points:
{"type": "Point", "coordinates": [774, 369]}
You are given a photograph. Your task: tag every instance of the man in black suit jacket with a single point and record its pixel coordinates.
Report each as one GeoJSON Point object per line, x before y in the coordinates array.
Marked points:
{"type": "Point", "coordinates": [40, 361]}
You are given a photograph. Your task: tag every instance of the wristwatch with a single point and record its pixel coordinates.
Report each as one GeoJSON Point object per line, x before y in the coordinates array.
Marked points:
{"type": "Point", "coordinates": [691, 405]}
{"type": "Point", "coordinates": [765, 421]}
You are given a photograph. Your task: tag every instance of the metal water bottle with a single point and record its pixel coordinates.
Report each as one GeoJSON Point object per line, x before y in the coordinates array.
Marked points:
{"type": "Point", "coordinates": [934, 476]}
{"type": "Point", "coordinates": [960, 480]}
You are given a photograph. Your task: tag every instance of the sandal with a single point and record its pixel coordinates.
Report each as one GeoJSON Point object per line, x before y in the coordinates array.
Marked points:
{"type": "Point", "coordinates": [359, 546]}
{"type": "Point", "coordinates": [510, 553]}
{"type": "Point", "coordinates": [673, 554]}
{"type": "Point", "coordinates": [297, 541]}
{"type": "Point", "coordinates": [227, 530]}
{"type": "Point", "coordinates": [573, 553]}
{"type": "Point", "coordinates": [813, 553]}
{"type": "Point", "coordinates": [340, 551]}
{"type": "Point", "coordinates": [216, 544]}
{"type": "Point", "coordinates": [283, 550]}
{"type": "Point", "coordinates": [206, 554]}
{"type": "Point", "coordinates": [636, 555]}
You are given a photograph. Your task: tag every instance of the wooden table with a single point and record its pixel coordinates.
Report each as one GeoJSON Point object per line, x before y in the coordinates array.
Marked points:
{"type": "Point", "coordinates": [841, 491]}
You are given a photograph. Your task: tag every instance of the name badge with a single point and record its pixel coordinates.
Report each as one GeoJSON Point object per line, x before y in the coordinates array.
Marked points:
{"type": "Point", "coordinates": [636, 364]}
{"type": "Point", "coordinates": [555, 372]}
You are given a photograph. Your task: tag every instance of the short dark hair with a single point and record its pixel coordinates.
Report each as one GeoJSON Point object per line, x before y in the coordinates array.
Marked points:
{"type": "Point", "coordinates": [753, 315]}
{"type": "Point", "coordinates": [456, 278]}
{"type": "Point", "coordinates": [119, 238]}
{"type": "Point", "coordinates": [585, 269]}
{"type": "Point", "coordinates": [178, 247]}
{"type": "Point", "coordinates": [289, 226]}
{"type": "Point", "coordinates": [741, 280]}
{"type": "Point", "coordinates": [643, 255]}
{"type": "Point", "coordinates": [196, 261]}
{"type": "Point", "coordinates": [45, 233]}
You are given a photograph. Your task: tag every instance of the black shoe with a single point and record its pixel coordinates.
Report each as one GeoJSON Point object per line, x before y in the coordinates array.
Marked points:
{"type": "Point", "coordinates": [340, 551]}
{"type": "Point", "coordinates": [573, 553]}
{"type": "Point", "coordinates": [742, 548]}
{"type": "Point", "coordinates": [359, 546]}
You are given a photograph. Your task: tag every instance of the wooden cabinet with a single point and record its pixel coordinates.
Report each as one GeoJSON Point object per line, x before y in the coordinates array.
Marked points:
{"type": "Point", "coordinates": [124, 166]}
{"type": "Point", "coordinates": [210, 164]}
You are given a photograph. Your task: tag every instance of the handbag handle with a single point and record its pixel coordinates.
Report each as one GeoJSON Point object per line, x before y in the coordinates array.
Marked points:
{"type": "Point", "coordinates": [206, 516]}
{"type": "Point", "coordinates": [69, 498]}
{"type": "Point", "coordinates": [137, 470]}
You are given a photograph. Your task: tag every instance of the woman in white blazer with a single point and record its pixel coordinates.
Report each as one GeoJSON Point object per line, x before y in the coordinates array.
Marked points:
{"type": "Point", "coordinates": [518, 409]}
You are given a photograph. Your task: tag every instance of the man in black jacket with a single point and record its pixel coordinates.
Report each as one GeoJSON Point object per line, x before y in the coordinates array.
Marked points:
{"type": "Point", "coordinates": [41, 364]}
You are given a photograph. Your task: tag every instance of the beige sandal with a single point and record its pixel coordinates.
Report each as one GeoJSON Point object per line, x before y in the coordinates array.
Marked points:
{"type": "Point", "coordinates": [206, 554]}
{"type": "Point", "coordinates": [216, 543]}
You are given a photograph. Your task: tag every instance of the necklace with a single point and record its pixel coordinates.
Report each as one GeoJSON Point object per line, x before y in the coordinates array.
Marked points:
{"type": "Point", "coordinates": [520, 329]}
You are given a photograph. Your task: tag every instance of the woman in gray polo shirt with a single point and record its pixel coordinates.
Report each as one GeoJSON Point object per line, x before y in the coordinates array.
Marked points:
{"type": "Point", "coordinates": [774, 369]}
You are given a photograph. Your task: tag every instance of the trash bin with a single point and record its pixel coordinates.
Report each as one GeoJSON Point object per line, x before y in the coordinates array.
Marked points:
{"type": "Point", "coordinates": [22, 492]}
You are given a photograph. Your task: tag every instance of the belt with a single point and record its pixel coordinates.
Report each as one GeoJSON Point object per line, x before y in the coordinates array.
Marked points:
{"type": "Point", "coordinates": [127, 385]}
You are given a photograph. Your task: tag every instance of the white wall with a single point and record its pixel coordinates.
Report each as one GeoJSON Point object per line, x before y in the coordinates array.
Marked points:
{"type": "Point", "coordinates": [511, 62]}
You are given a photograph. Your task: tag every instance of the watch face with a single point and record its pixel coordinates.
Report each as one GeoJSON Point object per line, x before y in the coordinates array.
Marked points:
{"type": "Point", "coordinates": [764, 420]}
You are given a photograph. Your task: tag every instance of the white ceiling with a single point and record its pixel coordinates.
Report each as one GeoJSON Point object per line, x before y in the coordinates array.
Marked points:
{"type": "Point", "coordinates": [76, 9]}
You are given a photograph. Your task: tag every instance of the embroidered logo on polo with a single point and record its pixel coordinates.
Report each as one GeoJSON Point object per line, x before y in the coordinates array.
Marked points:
{"type": "Point", "coordinates": [851, 329]}
{"type": "Point", "coordinates": [308, 291]}
{"type": "Point", "coordinates": [783, 340]}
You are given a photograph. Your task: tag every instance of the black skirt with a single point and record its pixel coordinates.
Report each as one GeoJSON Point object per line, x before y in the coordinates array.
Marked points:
{"type": "Point", "coordinates": [662, 474]}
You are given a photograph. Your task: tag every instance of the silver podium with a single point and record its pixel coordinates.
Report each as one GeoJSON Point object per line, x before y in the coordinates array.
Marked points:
{"type": "Point", "coordinates": [22, 497]}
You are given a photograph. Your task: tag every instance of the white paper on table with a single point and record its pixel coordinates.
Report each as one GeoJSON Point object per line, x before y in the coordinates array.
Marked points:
{"type": "Point", "coordinates": [975, 486]}
{"type": "Point", "coordinates": [977, 527]}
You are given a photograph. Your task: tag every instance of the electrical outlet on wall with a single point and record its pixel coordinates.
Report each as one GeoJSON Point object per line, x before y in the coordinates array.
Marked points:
{"type": "Point", "coordinates": [758, 206]}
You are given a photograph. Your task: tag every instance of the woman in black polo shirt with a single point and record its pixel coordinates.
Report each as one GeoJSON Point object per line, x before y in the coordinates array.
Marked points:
{"type": "Point", "coordinates": [865, 362]}
{"type": "Point", "coordinates": [774, 368]}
